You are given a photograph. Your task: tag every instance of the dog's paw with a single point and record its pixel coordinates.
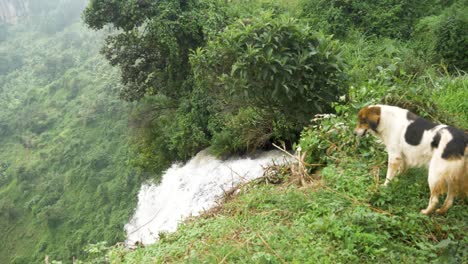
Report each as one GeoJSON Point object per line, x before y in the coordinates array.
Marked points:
{"type": "Point", "coordinates": [425, 212]}
{"type": "Point", "coordinates": [441, 211]}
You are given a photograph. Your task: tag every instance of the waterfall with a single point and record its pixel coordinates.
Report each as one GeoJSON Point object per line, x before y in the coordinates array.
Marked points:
{"type": "Point", "coordinates": [189, 189]}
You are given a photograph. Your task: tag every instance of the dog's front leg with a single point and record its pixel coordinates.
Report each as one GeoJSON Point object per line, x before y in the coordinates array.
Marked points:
{"type": "Point", "coordinates": [395, 166]}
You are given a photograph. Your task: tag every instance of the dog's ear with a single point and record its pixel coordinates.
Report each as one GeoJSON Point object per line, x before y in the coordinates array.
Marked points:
{"type": "Point", "coordinates": [373, 125]}
{"type": "Point", "coordinates": [373, 117]}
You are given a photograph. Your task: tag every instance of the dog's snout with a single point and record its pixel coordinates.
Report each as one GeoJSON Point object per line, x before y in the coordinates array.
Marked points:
{"type": "Point", "coordinates": [360, 132]}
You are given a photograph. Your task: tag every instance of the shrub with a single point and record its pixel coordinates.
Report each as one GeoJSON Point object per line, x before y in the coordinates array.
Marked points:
{"type": "Point", "coordinates": [241, 132]}
{"type": "Point", "coordinates": [187, 133]}
{"type": "Point", "coordinates": [424, 38]}
{"type": "Point", "coordinates": [451, 37]}
{"type": "Point", "coordinates": [275, 64]}
{"type": "Point", "coordinates": [250, 129]}
{"type": "Point", "coordinates": [390, 18]}
{"type": "Point", "coordinates": [444, 37]}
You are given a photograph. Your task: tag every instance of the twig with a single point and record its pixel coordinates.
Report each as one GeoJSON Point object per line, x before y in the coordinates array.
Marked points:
{"type": "Point", "coordinates": [298, 159]}
{"type": "Point", "coordinates": [235, 172]}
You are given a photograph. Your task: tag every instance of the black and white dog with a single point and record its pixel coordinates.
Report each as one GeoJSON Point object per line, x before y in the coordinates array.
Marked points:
{"type": "Point", "coordinates": [412, 141]}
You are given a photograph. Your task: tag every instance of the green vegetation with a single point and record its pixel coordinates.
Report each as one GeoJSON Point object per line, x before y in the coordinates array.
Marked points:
{"type": "Point", "coordinates": [341, 215]}
{"type": "Point", "coordinates": [262, 69]}
{"type": "Point", "coordinates": [65, 181]}
{"type": "Point", "coordinates": [343, 218]}
{"type": "Point", "coordinates": [388, 18]}
{"type": "Point", "coordinates": [237, 76]}
{"type": "Point", "coordinates": [213, 80]}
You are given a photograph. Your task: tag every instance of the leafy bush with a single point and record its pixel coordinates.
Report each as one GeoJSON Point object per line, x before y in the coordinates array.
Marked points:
{"type": "Point", "coordinates": [250, 129]}
{"type": "Point", "coordinates": [330, 138]}
{"type": "Point", "coordinates": [166, 131]}
{"type": "Point", "coordinates": [273, 63]}
{"type": "Point", "coordinates": [451, 37]}
{"type": "Point", "coordinates": [444, 37]}
{"type": "Point", "coordinates": [270, 74]}
{"type": "Point", "coordinates": [390, 18]}
{"type": "Point", "coordinates": [424, 36]}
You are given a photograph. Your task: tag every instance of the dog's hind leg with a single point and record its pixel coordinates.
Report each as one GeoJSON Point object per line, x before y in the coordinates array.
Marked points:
{"type": "Point", "coordinates": [433, 201]}
{"type": "Point", "coordinates": [437, 185]}
{"type": "Point", "coordinates": [455, 183]}
{"type": "Point", "coordinates": [448, 201]}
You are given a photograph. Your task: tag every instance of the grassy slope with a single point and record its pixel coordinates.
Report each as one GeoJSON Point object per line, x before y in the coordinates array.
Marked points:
{"type": "Point", "coordinates": [65, 181]}
{"type": "Point", "coordinates": [331, 222]}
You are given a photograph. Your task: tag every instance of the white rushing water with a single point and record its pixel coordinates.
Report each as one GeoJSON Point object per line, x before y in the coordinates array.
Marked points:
{"type": "Point", "coordinates": [187, 190]}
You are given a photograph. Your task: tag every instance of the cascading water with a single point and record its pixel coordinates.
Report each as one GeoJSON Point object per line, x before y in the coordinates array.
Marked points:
{"type": "Point", "coordinates": [187, 190]}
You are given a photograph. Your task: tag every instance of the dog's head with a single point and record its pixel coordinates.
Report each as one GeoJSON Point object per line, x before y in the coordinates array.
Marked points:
{"type": "Point", "coordinates": [368, 118]}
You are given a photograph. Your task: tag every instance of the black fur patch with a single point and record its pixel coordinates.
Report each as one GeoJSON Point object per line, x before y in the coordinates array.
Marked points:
{"type": "Point", "coordinates": [411, 116]}
{"type": "Point", "coordinates": [435, 141]}
{"type": "Point", "coordinates": [456, 147]}
{"type": "Point", "coordinates": [373, 125]}
{"type": "Point", "coordinates": [415, 130]}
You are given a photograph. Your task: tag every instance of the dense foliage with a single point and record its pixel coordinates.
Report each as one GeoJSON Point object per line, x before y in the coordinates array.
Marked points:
{"type": "Point", "coordinates": [237, 76]}
{"type": "Point", "coordinates": [240, 76]}
{"type": "Point", "coordinates": [65, 180]}
{"type": "Point", "coordinates": [266, 76]}
{"type": "Point", "coordinates": [273, 70]}
{"type": "Point", "coordinates": [274, 63]}
{"type": "Point", "coordinates": [389, 18]}
{"type": "Point", "coordinates": [152, 49]}
{"type": "Point", "coordinates": [451, 37]}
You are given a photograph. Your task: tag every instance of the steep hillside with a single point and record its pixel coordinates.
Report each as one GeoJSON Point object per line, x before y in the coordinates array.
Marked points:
{"type": "Point", "coordinates": [65, 180]}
